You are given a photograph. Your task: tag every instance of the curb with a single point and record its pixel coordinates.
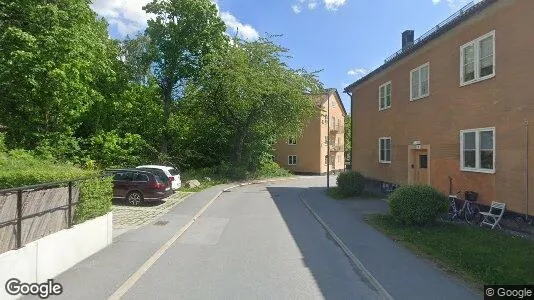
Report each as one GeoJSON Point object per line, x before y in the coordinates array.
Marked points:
{"type": "Point", "coordinates": [367, 276]}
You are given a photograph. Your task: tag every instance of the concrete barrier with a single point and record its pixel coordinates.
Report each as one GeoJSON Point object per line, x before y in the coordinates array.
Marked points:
{"type": "Point", "coordinates": [51, 255]}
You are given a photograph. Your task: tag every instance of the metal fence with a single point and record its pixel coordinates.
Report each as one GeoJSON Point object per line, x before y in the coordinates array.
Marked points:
{"type": "Point", "coordinates": [27, 202]}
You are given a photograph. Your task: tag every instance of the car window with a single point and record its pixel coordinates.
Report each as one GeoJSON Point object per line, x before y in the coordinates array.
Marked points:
{"type": "Point", "coordinates": [158, 172]}
{"type": "Point", "coordinates": [141, 177]}
{"type": "Point", "coordinates": [125, 176]}
{"type": "Point", "coordinates": [174, 172]}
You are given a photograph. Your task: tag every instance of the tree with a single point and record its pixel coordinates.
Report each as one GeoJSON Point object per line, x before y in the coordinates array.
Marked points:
{"type": "Point", "coordinates": [181, 37]}
{"type": "Point", "coordinates": [348, 138]}
{"type": "Point", "coordinates": [256, 97]}
{"type": "Point", "coordinates": [56, 60]}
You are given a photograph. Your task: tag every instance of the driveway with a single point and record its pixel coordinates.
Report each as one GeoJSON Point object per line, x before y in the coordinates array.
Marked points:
{"type": "Point", "coordinates": [283, 240]}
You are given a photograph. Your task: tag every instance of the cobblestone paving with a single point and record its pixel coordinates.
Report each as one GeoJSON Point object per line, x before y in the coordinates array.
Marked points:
{"type": "Point", "coordinates": [129, 217]}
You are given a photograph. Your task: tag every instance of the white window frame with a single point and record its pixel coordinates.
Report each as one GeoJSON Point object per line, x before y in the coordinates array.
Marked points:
{"type": "Point", "coordinates": [418, 69]}
{"type": "Point", "coordinates": [477, 150]}
{"type": "Point", "coordinates": [289, 161]}
{"type": "Point", "coordinates": [380, 150]}
{"type": "Point", "coordinates": [476, 47]}
{"type": "Point", "coordinates": [384, 85]}
{"type": "Point", "coordinates": [291, 141]}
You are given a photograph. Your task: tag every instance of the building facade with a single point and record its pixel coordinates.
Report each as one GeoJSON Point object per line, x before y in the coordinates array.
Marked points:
{"type": "Point", "coordinates": [454, 109]}
{"type": "Point", "coordinates": [307, 154]}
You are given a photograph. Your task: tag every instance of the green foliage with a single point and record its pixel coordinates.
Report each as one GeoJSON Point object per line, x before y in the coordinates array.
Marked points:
{"type": "Point", "coordinates": [350, 183]}
{"type": "Point", "coordinates": [417, 204]}
{"type": "Point", "coordinates": [20, 167]}
{"type": "Point", "coordinates": [112, 150]}
{"type": "Point", "coordinates": [57, 61]}
{"type": "Point", "coordinates": [95, 199]}
{"type": "Point", "coordinates": [255, 97]}
{"type": "Point", "coordinates": [3, 147]}
{"type": "Point", "coordinates": [466, 250]}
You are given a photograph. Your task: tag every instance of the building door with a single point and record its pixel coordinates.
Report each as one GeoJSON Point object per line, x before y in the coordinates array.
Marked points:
{"type": "Point", "coordinates": [420, 164]}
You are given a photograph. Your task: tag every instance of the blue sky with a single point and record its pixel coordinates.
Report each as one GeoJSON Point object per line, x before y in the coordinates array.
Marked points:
{"type": "Point", "coordinates": [343, 38]}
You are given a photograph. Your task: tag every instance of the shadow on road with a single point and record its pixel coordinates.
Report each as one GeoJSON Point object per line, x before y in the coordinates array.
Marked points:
{"type": "Point", "coordinates": [331, 270]}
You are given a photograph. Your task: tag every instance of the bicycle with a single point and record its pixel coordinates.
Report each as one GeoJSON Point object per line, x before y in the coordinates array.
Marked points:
{"type": "Point", "coordinates": [469, 210]}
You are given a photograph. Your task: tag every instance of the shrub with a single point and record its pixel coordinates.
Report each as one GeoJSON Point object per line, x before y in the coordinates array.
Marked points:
{"type": "Point", "coordinates": [350, 183]}
{"type": "Point", "coordinates": [20, 167]}
{"type": "Point", "coordinates": [417, 204]}
{"type": "Point", "coordinates": [94, 200]}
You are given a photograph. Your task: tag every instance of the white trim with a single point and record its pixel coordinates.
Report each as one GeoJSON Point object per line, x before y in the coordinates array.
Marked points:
{"type": "Point", "coordinates": [289, 161]}
{"type": "Point", "coordinates": [418, 69]}
{"type": "Point", "coordinates": [380, 150]}
{"type": "Point", "coordinates": [476, 46]}
{"type": "Point", "coordinates": [385, 94]}
{"type": "Point", "coordinates": [477, 150]}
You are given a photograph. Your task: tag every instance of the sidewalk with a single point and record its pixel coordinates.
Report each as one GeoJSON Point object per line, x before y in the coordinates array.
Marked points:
{"type": "Point", "coordinates": [401, 273]}
{"type": "Point", "coordinates": [101, 274]}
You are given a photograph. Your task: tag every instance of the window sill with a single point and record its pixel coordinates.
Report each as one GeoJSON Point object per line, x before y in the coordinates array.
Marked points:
{"type": "Point", "coordinates": [486, 171]}
{"type": "Point", "coordinates": [477, 80]}
{"type": "Point", "coordinates": [385, 108]}
{"type": "Point", "coordinates": [385, 162]}
{"type": "Point", "coordinates": [419, 98]}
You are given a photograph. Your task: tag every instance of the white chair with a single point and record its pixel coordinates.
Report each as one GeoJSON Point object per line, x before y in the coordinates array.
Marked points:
{"type": "Point", "coordinates": [494, 215]}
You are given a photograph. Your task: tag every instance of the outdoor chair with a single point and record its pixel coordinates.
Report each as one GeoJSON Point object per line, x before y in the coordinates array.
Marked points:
{"type": "Point", "coordinates": [494, 215]}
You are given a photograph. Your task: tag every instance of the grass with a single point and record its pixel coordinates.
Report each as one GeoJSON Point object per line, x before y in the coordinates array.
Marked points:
{"type": "Point", "coordinates": [479, 255]}
{"type": "Point", "coordinates": [335, 193]}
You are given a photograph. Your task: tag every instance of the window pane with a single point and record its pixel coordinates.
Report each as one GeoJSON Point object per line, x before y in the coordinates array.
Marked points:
{"type": "Point", "coordinates": [486, 47]}
{"type": "Point", "coordinates": [486, 140]}
{"type": "Point", "coordinates": [486, 66]}
{"type": "Point", "coordinates": [469, 72]}
{"type": "Point", "coordinates": [415, 84]}
{"type": "Point", "coordinates": [388, 95]}
{"type": "Point", "coordinates": [381, 150]}
{"type": "Point", "coordinates": [470, 158]}
{"type": "Point", "coordinates": [388, 144]}
{"type": "Point", "coordinates": [468, 61]}
{"type": "Point", "coordinates": [424, 81]}
{"type": "Point", "coordinates": [486, 159]}
{"type": "Point", "coordinates": [388, 155]}
{"type": "Point", "coordinates": [469, 141]}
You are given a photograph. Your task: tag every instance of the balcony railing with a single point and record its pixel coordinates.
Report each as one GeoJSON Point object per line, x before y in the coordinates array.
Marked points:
{"type": "Point", "coordinates": [335, 128]}
{"type": "Point", "coordinates": [336, 148]}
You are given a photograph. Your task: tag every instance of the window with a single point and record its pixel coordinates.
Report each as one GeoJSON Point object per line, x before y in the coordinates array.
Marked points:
{"type": "Point", "coordinates": [477, 59]}
{"type": "Point", "coordinates": [326, 160]}
{"type": "Point", "coordinates": [384, 149]}
{"type": "Point", "coordinates": [291, 141]}
{"type": "Point", "coordinates": [419, 82]}
{"type": "Point", "coordinates": [292, 160]}
{"type": "Point", "coordinates": [326, 140]}
{"type": "Point", "coordinates": [477, 148]}
{"type": "Point", "coordinates": [384, 96]}
{"type": "Point", "coordinates": [141, 177]}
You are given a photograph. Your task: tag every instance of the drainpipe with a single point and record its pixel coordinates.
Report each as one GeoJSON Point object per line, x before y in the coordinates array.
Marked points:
{"type": "Point", "coordinates": [351, 127]}
{"type": "Point", "coordinates": [526, 168]}
{"type": "Point", "coordinates": [328, 143]}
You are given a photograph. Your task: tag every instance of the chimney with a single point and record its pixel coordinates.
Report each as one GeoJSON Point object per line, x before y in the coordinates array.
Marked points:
{"type": "Point", "coordinates": [407, 38]}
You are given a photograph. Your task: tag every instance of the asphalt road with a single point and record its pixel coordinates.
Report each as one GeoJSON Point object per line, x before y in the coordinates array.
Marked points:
{"type": "Point", "coordinates": [255, 242]}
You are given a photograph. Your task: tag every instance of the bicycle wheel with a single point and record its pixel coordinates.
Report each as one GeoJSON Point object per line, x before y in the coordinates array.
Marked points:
{"type": "Point", "coordinates": [450, 214]}
{"type": "Point", "coordinates": [472, 214]}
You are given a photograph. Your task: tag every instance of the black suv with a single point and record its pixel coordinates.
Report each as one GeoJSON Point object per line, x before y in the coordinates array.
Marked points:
{"type": "Point", "coordinates": [137, 186]}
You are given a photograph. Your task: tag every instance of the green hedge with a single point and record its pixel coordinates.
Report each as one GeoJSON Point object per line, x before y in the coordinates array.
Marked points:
{"type": "Point", "coordinates": [350, 183]}
{"type": "Point", "coordinates": [95, 199]}
{"type": "Point", "coordinates": [19, 168]}
{"type": "Point", "coordinates": [417, 204]}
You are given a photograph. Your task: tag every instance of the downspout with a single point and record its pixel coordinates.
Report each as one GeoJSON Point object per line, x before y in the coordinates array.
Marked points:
{"type": "Point", "coordinates": [526, 169]}
{"type": "Point", "coordinates": [351, 127]}
{"type": "Point", "coordinates": [328, 142]}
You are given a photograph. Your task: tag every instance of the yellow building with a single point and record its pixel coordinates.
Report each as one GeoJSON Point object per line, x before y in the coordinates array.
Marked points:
{"type": "Point", "coordinates": [307, 154]}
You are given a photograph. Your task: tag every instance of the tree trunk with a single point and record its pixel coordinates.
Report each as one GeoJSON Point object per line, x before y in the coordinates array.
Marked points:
{"type": "Point", "coordinates": [238, 146]}
{"type": "Point", "coordinates": [167, 100]}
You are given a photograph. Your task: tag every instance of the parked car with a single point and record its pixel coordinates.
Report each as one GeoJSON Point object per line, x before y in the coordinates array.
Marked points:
{"type": "Point", "coordinates": [137, 186]}
{"type": "Point", "coordinates": [169, 174]}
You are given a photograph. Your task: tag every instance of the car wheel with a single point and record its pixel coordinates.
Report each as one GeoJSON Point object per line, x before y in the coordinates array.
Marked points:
{"type": "Point", "coordinates": [134, 198]}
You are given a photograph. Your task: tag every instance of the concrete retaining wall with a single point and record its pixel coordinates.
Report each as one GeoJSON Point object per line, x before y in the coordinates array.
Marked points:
{"type": "Point", "coordinates": [53, 254]}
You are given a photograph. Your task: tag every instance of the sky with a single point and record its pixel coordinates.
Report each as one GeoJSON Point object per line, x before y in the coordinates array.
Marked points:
{"type": "Point", "coordinates": [343, 39]}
